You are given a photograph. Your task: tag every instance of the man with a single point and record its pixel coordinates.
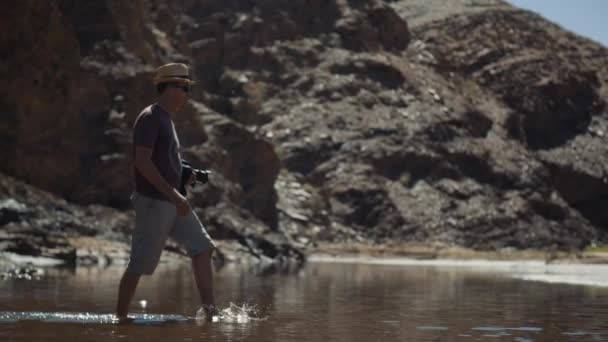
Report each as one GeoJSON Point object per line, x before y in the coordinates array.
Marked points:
{"type": "Point", "coordinates": [160, 210]}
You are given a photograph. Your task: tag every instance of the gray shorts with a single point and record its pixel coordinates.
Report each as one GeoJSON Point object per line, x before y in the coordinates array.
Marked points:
{"type": "Point", "coordinates": [155, 221]}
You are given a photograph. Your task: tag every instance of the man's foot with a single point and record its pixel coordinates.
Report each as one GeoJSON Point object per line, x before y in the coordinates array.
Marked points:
{"type": "Point", "coordinates": [209, 311]}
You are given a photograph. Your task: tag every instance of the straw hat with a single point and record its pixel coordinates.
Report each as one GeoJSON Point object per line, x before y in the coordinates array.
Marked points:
{"type": "Point", "coordinates": [173, 72]}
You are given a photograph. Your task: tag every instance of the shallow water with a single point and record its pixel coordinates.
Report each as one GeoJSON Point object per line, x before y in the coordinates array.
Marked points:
{"type": "Point", "coordinates": [326, 301]}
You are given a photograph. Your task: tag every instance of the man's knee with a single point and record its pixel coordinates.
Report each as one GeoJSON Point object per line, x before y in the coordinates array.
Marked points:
{"type": "Point", "coordinates": [141, 268]}
{"type": "Point", "coordinates": [205, 254]}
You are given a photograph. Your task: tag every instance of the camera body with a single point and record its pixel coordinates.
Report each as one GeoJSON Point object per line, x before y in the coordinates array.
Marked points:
{"type": "Point", "coordinates": [200, 176]}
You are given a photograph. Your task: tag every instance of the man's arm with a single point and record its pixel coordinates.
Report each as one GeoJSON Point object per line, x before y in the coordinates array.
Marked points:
{"type": "Point", "coordinates": [145, 166]}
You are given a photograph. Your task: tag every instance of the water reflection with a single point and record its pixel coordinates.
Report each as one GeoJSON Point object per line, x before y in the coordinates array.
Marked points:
{"type": "Point", "coordinates": [322, 302]}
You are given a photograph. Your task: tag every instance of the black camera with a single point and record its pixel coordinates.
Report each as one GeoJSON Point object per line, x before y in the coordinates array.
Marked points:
{"type": "Point", "coordinates": [201, 176]}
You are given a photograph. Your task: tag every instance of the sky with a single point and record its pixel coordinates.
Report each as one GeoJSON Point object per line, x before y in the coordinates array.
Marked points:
{"type": "Point", "coordinates": [585, 17]}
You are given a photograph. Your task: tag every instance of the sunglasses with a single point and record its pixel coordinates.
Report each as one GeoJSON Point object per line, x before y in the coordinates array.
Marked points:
{"type": "Point", "coordinates": [184, 87]}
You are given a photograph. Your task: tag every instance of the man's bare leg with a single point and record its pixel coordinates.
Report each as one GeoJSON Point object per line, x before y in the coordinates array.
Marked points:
{"type": "Point", "coordinates": [203, 275]}
{"type": "Point", "coordinates": [126, 290]}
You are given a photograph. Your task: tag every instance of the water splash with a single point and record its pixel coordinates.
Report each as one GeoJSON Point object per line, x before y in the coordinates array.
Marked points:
{"type": "Point", "coordinates": [86, 317]}
{"type": "Point", "coordinates": [233, 314]}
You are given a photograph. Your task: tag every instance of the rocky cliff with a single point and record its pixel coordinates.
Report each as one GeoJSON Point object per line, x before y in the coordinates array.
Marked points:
{"type": "Point", "coordinates": [466, 123]}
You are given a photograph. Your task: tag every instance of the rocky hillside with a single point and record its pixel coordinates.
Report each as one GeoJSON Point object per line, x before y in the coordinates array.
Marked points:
{"type": "Point", "coordinates": [460, 122]}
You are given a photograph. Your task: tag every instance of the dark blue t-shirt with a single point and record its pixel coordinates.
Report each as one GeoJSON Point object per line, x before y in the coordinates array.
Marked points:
{"type": "Point", "coordinates": [154, 128]}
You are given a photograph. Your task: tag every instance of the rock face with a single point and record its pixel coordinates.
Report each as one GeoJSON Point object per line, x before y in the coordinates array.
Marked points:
{"type": "Point", "coordinates": [551, 87]}
{"type": "Point", "coordinates": [551, 94]}
{"type": "Point", "coordinates": [37, 223]}
{"type": "Point", "coordinates": [476, 125]}
{"type": "Point", "coordinates": [40, 81]}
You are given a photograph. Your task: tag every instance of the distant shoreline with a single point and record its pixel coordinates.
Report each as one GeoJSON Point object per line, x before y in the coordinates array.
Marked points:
{"type": "Point", "coordinates": [565, 271]}
{"type": "Point", "coordinates": [414, 254]}
{"type": "Point", "coordinates": [435, 252]}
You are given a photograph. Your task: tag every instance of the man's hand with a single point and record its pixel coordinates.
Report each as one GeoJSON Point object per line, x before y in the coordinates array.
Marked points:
{"type": "Point", "coordinates": [192, 179]}
{"type": "Point", "coordinates": [181, 203]}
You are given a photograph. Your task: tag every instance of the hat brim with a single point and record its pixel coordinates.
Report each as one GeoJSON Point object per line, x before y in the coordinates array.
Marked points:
{"type": "Point", "coordinates": [159, 80]}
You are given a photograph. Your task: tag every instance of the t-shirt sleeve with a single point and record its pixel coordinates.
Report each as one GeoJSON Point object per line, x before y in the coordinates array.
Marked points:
{"type": "Point", "coordinates": [145, 131]}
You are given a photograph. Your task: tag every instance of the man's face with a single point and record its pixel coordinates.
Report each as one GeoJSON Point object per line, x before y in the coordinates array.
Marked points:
{"type": "Point", "coordinates": [179, 93]}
